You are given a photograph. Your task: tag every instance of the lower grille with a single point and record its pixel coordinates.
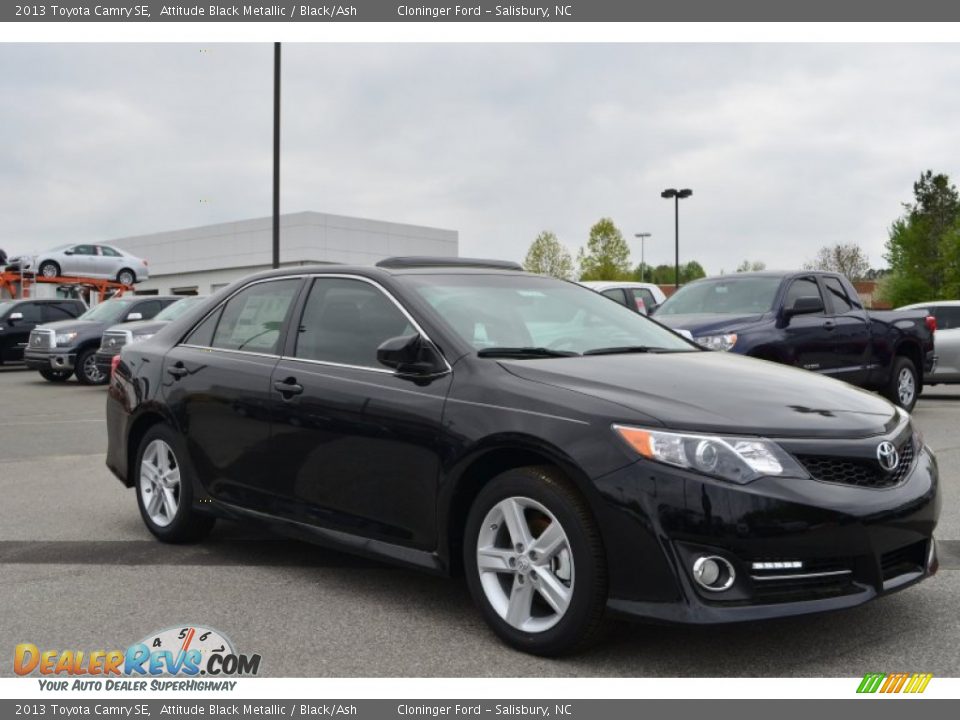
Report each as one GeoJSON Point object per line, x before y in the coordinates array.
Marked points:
{"type": "Point", "coordinates": [803, 588]}
{"type": "Point", "coordinates": [861, 473]}
{"type": "Point", "coordinates": [907, 559]}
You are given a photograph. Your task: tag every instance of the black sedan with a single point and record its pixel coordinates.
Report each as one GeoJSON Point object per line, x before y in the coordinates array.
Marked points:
{"type": "Point", "coordinates": [571, 457]}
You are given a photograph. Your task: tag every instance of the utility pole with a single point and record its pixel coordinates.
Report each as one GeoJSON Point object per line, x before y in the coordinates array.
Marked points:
{"type": "Point", "coordinates": [276, 155]}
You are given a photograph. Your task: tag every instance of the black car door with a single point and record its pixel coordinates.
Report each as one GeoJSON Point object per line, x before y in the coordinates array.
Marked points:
{"type": "Point", "coordinates": [852, 332]}
{"type": "Point", "coordinates": [217, 384]}
{"type": "Point", "coordinates": [357, 448]}
{"type": "Point", "coordinates": [809, 339]}
{"type": "Point", "coordinates": [21, 319]}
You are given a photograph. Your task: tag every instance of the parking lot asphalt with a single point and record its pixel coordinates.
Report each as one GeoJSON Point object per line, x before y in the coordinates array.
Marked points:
{"type": "Point", "coordinates": [78, 570]}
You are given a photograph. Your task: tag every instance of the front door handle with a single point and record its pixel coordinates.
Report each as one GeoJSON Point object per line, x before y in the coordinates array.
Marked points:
{"type": "Point", "coordinates": [288, 388]}
{"type": "Point", "coordinates": [178, 370]}
{"type": "Point", "coordinates": [829, 325]}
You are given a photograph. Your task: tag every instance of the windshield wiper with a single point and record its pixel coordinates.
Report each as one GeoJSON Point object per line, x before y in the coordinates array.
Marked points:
{"type": "Point", "coordinates": [624, 349]}
{"type": "Point", "coordinates": [524, 352]}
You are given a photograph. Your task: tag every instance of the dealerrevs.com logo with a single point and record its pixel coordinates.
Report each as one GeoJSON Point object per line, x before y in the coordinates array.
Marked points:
{"type": "Point", "coordinates": [887, 683]}
{"type": "Point", "coordinates": [187, 652]}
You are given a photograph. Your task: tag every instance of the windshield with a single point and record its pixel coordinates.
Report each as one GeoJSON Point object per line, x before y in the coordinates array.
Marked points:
{"type": "Point", "coordinates": [723, 296]}
{"type": "Point", "coordinates": [175, 310]}
{"type": "Point", "coordinates": [533, 312]}
{"type": "Point", "coordinates": [4, 306]}
{"type": "Point", "coordinates": [109, 311]}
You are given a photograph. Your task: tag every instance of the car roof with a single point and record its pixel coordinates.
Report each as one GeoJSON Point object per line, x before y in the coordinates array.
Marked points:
{"type": "Point", "coordinates": [603, 284]}
{"type": "Point", "coordinates": [932, 303]}
{"type": "Point", "coordinates": [374, 271]}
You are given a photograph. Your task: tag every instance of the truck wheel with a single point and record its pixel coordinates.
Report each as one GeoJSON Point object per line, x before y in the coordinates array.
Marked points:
{"type": "Point", "coordinates": [904, 386]}
{"type": "Point", "coordinates": [57, 376]}
{"type": "Point", "coordinates": [87, 371]}
{"type": "Point", "coordinates": [165, 489]}
{"type": "Point", "coordinates": [534, 562]}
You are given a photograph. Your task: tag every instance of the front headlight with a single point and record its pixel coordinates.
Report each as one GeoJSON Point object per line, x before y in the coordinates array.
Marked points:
{"type": "Point", "coordinates": [65, 338]}
{"type": "Point", "coordinates": [736, 459]}
{"type": "Point", "coordinates": [717, 342]}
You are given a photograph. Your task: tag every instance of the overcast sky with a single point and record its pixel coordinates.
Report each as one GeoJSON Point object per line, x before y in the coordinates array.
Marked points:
{"type": "Point", "coordinates": [787, 147]}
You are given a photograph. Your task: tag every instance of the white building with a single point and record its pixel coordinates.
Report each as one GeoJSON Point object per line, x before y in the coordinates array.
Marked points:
{"type": "Point", "coordinates": [203, 259]}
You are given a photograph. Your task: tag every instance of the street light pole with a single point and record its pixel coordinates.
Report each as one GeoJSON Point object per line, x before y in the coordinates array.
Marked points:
{"type": "Point", "coordinates": [677, 196]}
{"type": "Point", "coordinates": [276, 155]}
{"type": "Point", "coordinates": [643, 261]}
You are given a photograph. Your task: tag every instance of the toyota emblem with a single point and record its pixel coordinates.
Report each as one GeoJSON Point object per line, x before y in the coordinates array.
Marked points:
{"type": "Point", "coordinates": [887, 456]}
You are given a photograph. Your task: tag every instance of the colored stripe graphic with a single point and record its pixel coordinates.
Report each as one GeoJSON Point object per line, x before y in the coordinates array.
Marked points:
{"type": "Point", "coordinates": [894, 683]}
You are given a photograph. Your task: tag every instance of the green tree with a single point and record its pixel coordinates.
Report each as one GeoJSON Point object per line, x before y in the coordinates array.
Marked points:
{"type": "Point", "coordinates": [755, 266]}
{"type": "Point", "coordinates": [846, 258]}
{"type": "Point", "coordinates": [923, 247]}
{"type": "Point", "coordinates": [607, 256]}
{"type": "Point", "coordinates": [548, 256]}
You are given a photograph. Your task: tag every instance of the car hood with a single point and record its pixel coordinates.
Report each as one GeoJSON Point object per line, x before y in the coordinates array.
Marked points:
{"type": "Point", "coordinates": [84, 327]}
{"type": "Point", "coordinates": [717, 392]}
{"type": "Point", "coordinates": [706, 323]}
{"type": "Point", "coordinates": [140, 327]}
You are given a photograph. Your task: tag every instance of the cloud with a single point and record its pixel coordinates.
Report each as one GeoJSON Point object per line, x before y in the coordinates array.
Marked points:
{"type": "Point", "coordinates": [787, 147]}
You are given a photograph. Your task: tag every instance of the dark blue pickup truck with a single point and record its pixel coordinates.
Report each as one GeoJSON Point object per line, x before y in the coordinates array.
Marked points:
{"type": "Point", "coordinates": [812, 320]}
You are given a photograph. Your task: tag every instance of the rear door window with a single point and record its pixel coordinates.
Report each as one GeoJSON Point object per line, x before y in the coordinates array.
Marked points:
{"type": "Point", "coordinates": [948, 318]}
{"type": "Point", "coordinates": [253, 318]}
{"type": "Point", "coordinates": [616, 294]}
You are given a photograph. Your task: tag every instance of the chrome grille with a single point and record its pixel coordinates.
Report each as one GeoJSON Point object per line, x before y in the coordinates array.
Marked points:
{"type": "Point", "coordinates": [42, 339]}
{"type": "Point", "coordinates": [857, 471]}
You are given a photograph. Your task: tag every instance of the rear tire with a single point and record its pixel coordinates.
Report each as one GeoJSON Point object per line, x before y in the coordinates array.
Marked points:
{"type": "Point", "coordinates": [164, 486]}
{"type": "Point", "coordinates": [49, 269]}
{"type": "Point", "coordinates": [126, 277]}
{"type": "Point", "coordinates": [56, 376]}
{"type": "Point", "coordinates": [542, 589]}
{"type": "Point", "coordinates": [903, 388]}
{"type": "Point", "coordinates": [86, 368]}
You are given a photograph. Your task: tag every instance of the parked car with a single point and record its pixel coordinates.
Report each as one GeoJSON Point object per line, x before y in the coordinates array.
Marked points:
{"type": "Point", "coordinates": [116, 337]}
{"type": "Point", "coordinates": [92, 261]}
{"type": "Point", "coordinates": [569, 455]}
{"type": "Point", "coordinates": [19, 317]}
{"type": "Point", "coordinates": [947, 315]}
{"type": "Point", "coordinates": [642, 297]}
{"type": "Point", "coordinates": [59, 349]}
{"type": "Point", "coordinates": [812, 320]}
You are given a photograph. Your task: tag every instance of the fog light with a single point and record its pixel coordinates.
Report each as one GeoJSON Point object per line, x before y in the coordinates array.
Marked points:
{"type": "Point", "coordinates": [713, 573]}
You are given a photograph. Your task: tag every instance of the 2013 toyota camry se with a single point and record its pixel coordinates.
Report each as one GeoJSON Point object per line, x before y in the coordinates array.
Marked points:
{"type": "Point", "coordinates": [571, 457]}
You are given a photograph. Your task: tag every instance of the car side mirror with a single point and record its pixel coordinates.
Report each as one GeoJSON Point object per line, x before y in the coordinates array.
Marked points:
{"type": "Point", "coordinates": [68, 252]}
{"type": "Point", "coordinates": [807, 305]}
{"type": "Point", "coordinates": [134, 316]}
{"type": "Point", "coordinates": [15, 317]}
{"type": "Point", "coordinates": [410, 355]}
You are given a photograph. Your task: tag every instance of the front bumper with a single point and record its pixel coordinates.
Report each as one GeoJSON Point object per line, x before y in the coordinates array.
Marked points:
{"type": "Point", "coordinates": [854, 543]}
{"type": "Point", "coordinates": [59, 359]}
{"type": "Point", "coordinates": [104, 359]}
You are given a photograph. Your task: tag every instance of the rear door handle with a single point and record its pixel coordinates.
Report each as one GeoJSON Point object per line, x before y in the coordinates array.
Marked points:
{"type": "Point", "coordinates": [178, 370]}
{"type": "Point", "coordinates": [288, 388]}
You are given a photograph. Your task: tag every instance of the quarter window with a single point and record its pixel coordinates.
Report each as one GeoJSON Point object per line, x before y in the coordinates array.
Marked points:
{"type": "Point", "coordinates": [345, 321]}
{"type": "Point", "coordinates": [108, 251]}
{"type": "Point", "coordinates": [615, 294]}
{"type": "Point", "coordinates": [252, 319]}
{"type": "Point", "coordinates": [948, 317]}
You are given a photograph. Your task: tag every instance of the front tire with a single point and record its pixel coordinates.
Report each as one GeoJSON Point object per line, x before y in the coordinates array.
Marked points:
{"type": "Point", "coordinates": [535, 563]}
{"type": "Point", "coordinates": [49, 269]}
{"type": "Point", "coordinates": [164, 487]}
{"type": "Point", "coordinates": [56, 376]}
{"type": "Point", "coordinates": [86, 368]}
{"type": "Point", "coordinates": [904, 386]}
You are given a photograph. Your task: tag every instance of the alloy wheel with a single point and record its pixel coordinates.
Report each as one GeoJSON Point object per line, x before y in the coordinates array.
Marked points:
{"type": "Point", "coordinates": [525, 564]}
{"type": "Point", "coordinates": [90, 370]}
{"type": "Point", "coordinates": [160, 483]}
{"type": "Point", "coordinates": [906, 387]}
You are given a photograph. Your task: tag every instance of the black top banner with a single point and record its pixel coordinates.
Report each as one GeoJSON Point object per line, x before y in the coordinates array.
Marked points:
{"type": "Point", "coordinates": [487, 11]}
